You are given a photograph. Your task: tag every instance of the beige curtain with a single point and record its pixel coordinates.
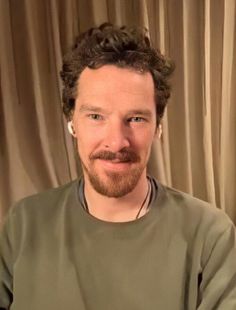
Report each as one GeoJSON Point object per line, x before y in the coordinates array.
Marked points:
{"type": "Point", "coordinates": [198, 151]}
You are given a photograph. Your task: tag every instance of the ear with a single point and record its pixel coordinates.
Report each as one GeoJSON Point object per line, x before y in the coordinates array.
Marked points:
{"type": "Point", "coordinates": [71, 128]}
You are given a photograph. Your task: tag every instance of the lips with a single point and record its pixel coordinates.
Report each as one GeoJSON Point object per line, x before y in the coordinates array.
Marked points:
{"type": "Point", "coordinates": [117, 160]}
{"type": "Point", "coordinates": [115, 164]}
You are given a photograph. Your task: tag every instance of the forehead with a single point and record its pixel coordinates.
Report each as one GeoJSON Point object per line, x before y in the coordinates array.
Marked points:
{"type": "Point", "coordinates": [115, 84]}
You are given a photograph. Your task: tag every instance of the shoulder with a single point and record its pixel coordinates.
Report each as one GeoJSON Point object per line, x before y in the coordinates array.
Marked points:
{"type": "Point", "coordinates": [38, 214]}
{"type": "Point", "coordinates": [193, 214]}
{"type": "Point", "coordinates": [45, 202]}
{"type": "Point", "coordinates": [201, 224]}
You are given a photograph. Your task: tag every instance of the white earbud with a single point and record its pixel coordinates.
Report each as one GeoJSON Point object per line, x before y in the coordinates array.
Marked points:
{"type": "Point", "coordinates": [159, 131]}
{"type": "Point", "coordinates": [70, 128]}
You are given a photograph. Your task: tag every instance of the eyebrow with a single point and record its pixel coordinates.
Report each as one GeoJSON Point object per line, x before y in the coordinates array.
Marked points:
{"type": "Point", "coordinates": [143, 112]}
{"type": "Point", "coordinates": [91, 108]}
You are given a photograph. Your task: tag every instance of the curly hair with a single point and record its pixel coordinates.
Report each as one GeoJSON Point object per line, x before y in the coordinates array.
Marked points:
{"type": "Point", "coordinates": [124, 47]}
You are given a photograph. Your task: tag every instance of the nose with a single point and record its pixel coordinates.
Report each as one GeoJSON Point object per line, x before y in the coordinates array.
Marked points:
{"type": "Point", "coordinates": [117, 136]}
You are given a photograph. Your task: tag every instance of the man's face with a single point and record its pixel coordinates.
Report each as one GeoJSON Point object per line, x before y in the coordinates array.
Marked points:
{"type": "Point", "coordinates": [115, 123]}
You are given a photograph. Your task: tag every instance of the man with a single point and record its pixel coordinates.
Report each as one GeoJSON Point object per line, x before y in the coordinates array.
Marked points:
{"type": "Point", "coordinates": [116, 238]}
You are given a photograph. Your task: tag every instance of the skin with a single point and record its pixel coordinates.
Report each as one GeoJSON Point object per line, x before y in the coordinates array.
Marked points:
{"type": "Point", "coordinates": [115, 114]}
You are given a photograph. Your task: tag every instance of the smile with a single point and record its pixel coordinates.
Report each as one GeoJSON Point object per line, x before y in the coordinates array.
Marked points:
{"type": "Point", "coordinates": [115, 164]}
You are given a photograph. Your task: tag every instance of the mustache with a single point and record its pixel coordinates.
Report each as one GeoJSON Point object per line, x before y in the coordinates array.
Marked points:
{"type": "Point", "coordinates": [125, 155]}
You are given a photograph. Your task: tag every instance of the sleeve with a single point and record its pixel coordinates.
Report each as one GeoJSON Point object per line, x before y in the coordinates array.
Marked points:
{"type": "Point", "coordinates": [218, 284]}
{"type": "Point", "coordinates": [6, 266]}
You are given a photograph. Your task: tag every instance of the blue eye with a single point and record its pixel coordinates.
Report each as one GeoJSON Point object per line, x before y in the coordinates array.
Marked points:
{"type": "Point", "coordinates": [136, 119]}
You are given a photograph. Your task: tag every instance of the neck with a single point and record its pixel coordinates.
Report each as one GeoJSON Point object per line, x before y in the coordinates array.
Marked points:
{"type": "Point", "coordinates": [122, 209]}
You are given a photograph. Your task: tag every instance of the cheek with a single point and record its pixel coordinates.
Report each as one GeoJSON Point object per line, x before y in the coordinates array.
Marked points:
{"type": "Point", "coordinates": [87, 142]}
{"type": "Point", "coordinates": [144, 140]}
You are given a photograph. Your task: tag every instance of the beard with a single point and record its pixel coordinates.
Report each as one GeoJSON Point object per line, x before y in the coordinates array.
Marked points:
{"type": "Point", "coordinates": [115, 184]}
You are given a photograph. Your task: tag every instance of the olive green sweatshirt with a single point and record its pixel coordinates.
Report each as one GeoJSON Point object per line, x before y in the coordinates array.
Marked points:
{"type": "Point", "coordinates": [181, 255]}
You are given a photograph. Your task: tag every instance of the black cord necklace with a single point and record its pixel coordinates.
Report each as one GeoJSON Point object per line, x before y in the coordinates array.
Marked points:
{"type": "Point", "coordinates": [144, 201]}
{"type": "Point", "coordinates": [85, 204]}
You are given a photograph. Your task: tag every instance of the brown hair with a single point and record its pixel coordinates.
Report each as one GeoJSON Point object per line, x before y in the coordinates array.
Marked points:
{"type": "Point", "coordinates": [127, 47]}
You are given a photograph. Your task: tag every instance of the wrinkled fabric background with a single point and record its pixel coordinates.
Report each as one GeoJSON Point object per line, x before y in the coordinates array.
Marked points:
{"type": "Point", "coordinates": [197, 153]}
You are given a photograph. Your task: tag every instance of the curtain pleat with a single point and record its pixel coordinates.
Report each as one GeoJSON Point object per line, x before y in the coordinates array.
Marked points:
{"type": "Point", "coordinates": [226, 92]}
{"type": "Point", "coordinates": [207, 111]}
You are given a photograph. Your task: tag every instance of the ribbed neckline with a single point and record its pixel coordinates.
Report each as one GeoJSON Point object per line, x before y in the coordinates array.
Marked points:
{"type": "Point", "coordinates": [157, 196]}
